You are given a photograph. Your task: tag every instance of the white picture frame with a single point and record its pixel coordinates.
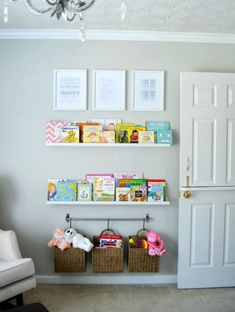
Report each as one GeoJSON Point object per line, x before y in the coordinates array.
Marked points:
{"type": "Point", "coordinates": [109, 90]}
{"type": "Point", "coordinates": [147, 90]}
{"type": "Point", "coordinates": [70, 89]}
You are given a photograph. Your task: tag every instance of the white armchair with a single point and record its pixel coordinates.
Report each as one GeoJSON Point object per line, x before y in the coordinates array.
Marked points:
{"type": "Point", "coordinates": [16, 273]}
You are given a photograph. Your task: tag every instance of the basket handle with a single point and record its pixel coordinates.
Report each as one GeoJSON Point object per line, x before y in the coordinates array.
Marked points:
{"type": "Point", "coordinates": [142, 230]}
{"type": "Point", "coordinates": [108, 230]}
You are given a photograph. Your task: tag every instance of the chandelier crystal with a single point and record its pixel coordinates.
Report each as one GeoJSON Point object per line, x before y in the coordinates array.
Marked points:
{"type": "Point", "coordinates": [66, 9]}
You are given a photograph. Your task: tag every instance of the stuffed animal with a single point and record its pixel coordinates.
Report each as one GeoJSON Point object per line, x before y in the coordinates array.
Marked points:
{"type": "Point", "coordinates": [155, 244]}
{"type": "Point", "coordinates": [58, 240]}
{"type": "Point", "coordinates": [78, 240]}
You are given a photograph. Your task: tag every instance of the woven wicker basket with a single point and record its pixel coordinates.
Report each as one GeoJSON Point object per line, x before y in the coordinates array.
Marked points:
{"type": "Point", "coordinates": [139, 260]}
{"type": "Point", "coordinates": [106, 260]}
{"type": "Point", "coordinates": [69, 260]}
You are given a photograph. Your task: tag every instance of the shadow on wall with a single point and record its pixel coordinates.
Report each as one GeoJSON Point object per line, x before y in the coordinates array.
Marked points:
{"type": "Point", "coordinates": [8, 198]}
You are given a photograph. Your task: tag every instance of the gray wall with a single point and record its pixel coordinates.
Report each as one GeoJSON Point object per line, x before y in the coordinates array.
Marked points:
{"type": "Point", "coordinates": [26, 90]}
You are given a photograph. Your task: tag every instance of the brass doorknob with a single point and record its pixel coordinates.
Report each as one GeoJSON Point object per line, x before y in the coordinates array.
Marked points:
{"type": "Point", "coordinates": [187, 194]}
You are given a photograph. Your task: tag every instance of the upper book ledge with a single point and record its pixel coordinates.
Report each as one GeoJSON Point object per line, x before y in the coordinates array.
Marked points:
{"type": "Point", "coordinates": [109, 203]}
{"type": "Point", "coordinates": [123, 145]}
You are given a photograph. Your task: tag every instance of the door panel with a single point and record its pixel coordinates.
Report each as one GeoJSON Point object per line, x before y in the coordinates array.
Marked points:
{"type": "Point", "coordinates": [202, 225]}
{"type": "Point", "coordinates": [229, 248]}
{"type": "Point", "coordinates": [205, 96]}
{"type": "Point", "coordinates": [231, 152]}
{"type": "Point", "coordinates": [203, 158]}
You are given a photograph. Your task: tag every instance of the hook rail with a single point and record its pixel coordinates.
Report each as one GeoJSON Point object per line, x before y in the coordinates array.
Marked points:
{"type": "Point", "coordinates": [69, 219]}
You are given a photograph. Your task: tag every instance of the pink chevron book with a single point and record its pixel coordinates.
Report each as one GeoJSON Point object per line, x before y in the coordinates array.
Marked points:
{"type": "Point", "coordinates": [53, 130]}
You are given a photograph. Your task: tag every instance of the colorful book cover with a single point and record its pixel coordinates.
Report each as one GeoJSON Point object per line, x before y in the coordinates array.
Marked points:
{"type": "Point", "coordinates": [130, 182]}
{"type": "Point", "coordinates": [128, 175]}
{"type": "Point", "coordinates": [104, 189]}
{"type": "Point", "coordinates": [53, 131]}
{"type": "Point", "coordinates": [91, 176]}
{"type": "Point", "coordinates": [82, 124]}
{"type": "Point", "coordinates": [133, 133]}
{"type": "Point", "coordinates": [65, 191]}
{"type": "Point", "coordinates": [146, 137]}
{"type": "Point", "coordinates": [123, 194]}
{"type": "Point", "coordinates": [107, 137]}
{"type": "Point", "coordinates": [153, 125]}
{"type": "Point", "coordinates": [156, 190]}
{"type": "Point", "coordinates": [164, 137]}
{"type": "Point", "coordinates": [111, 124]}
{"type": "Point", "coordinates": [70, 134]}
{"type": "Point", "coordinates": [110, 241]}
{"type": "Point", "coordinates": [85, 192]}
{"type": "Point", "coordinates": [91, 134]}
{"type": "Point", "coordinates": [52, 189]}
{"type": "Point", "coordinates": [122, 132]}
{"type": "Point", "coordinates": [138, 193]}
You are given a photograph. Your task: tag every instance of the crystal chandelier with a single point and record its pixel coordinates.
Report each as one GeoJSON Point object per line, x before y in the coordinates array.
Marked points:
{"type": "Point", "coordinates": [66, 9]}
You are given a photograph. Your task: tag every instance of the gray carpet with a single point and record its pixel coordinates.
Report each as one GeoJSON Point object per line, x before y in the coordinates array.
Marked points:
{"type": "Point", "coordinates": [142, 298]}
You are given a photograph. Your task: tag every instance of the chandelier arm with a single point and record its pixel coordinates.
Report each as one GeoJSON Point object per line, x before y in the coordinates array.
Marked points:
{"type": "Point", "coordinates": [35, 10]}
{"type": "Point", "coordinates": [51, 3]}
{"type": "Point", "coordinates": [80, 7]}
{"type": "Point", "coordinates": [70, 19]}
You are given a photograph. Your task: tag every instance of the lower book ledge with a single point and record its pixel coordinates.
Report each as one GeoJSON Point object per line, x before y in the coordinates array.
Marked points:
{"type": "Point", "coordinates": [107, 278]}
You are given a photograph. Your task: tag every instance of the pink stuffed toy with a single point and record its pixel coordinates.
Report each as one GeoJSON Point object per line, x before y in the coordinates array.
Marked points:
{"type": "Point", "coordinates": [58, 240]}
{"type": "Point", "coordinates": [155, 244]}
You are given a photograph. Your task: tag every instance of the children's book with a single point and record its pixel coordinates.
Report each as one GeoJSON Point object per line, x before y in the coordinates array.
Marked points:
{"type": "Point", "coordinates": [85, 192]}
{"type": "Point", "coordinates": [156, 190]}
{"type": "Point", "coordinates": [128, 175]}
{"type": "Point", "coordinates": [70, 134]}
{"type": "Point", "coordinates": [153, 125]}
{"type": "Point", "coordinates": [110, 241]}
{"type": "Point", "coordinates": [91, 134]}
{"type": "Point", "coordinates": [164, 137]}
{"type": "Point", "coordinates": [107, 137]}
{"type": "Point", "coordinates": [122, 132]}
{"type": "Point", "coordinates": [91, 176]}
{"type": "Point", "coordinates": [146, 137]}
{"type": "Point", "coordinates": [138, 193]}
{"type": "Point", "coordinates": [62, 190]}
{"type": "Point", "coordinates": [104, 189]}
{"type": "Point", "coordinates": [110, 124]}
{"type": "Point", "coordinates": [123, 194]}
{"type": "Point", "coordinates": [133, 133]}
{"type": "Point", "coordinates": [130, 182]}
{"type": "Point", "coordinates": [52, 189]}
{"type": "Point", "coordinates": [53, 130]}
{"type": "Point", "coordinates": [81, 125]}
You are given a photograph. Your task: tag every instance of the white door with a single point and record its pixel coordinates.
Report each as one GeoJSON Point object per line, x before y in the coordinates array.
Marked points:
{"type": "Point", "coordinates": [207, 157]}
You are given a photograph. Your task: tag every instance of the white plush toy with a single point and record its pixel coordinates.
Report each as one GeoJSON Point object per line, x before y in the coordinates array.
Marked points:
{"type": "Point", "coordinates": [78, 240]}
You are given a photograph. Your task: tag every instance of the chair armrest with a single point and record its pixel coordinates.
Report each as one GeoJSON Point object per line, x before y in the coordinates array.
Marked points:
{"type": "Point", "coordinates": [9, 248]}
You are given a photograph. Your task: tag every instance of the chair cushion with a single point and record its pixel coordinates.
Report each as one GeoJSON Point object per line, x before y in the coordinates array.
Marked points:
{"type": "Point", "coordinates": [15, 270]}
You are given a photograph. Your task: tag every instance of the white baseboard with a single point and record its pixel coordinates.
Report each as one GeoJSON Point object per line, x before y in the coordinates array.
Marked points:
{"type": "Point", "coordinates": [102, 279]}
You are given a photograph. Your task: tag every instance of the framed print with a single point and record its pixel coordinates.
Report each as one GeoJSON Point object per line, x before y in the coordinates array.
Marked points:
{"type": "Point", "coordinates": [70, 90]}
{"type": "Point", "coordinates": [109, 90]}
{"type": "Point", "coordinates": [148, 90]}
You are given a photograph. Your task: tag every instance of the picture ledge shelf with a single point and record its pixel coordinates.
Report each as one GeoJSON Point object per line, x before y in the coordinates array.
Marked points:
{"type": "Point", "coordinates": [122, 145]}
{"type": "Point", "coordinates": [101, 203]}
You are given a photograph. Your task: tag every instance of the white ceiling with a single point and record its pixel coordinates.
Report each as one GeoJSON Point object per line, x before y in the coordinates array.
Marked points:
{"type": "Point", "coordinates": [206, 16]}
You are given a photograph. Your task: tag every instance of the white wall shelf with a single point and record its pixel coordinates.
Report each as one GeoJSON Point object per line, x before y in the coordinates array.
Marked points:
{"type": "Point", "coordinates": [122, 145]}
{"type": "Point", "coordinates": [103, 203]}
